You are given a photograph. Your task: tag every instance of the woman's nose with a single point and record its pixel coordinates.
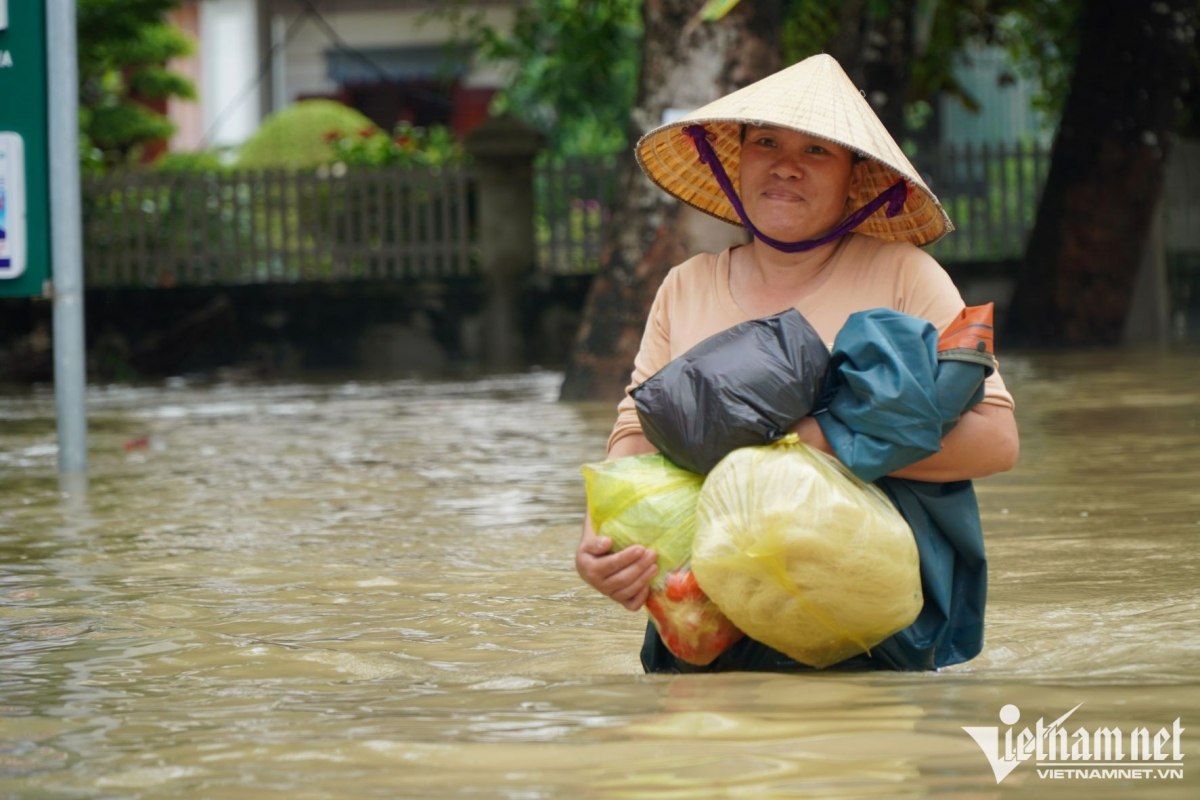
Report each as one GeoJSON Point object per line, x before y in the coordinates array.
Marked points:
{"type": "Point", "coordinates": [787, 167]}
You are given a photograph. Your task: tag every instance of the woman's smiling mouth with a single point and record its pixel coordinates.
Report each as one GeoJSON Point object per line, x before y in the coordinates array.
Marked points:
{"type": "Point", "coordinates": [783, 195]}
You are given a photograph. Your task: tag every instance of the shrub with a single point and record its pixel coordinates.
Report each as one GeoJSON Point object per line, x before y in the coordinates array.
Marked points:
{"type": "Point", "coordinates": [408, 146]}
{"type": "Point", "coordinates": [296, 137]}
{"type": "Point", "coordinates": [203, 161]}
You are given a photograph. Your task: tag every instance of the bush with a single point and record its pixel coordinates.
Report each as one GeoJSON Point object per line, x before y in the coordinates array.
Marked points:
{"type": "Point", "coordinates": [203, 161]}
{"type": "Point", "coordinates": [408, 146]}
{"type": "Point", "coordinates": [298, 136]}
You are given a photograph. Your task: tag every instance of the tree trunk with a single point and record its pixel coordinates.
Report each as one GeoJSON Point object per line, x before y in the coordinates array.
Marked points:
{"type": "Point", "coordinates": [1106, 172]}
{"type": "Point", "coordinates": [651, 232]}
{"type": "Point", "coordinates": [877, 51]}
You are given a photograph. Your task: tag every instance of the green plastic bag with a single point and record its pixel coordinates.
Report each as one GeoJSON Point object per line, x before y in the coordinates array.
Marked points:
{"type": "Point", "coordinates": [647, 500]}
{"type": "Point", "coordinates": [802, 555]}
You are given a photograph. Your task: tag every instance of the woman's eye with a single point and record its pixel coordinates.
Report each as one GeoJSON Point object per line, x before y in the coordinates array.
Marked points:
{"type": "Point", "coordinates": [816, 148]}
{"type": "Point", "coordinates": [766, 141]}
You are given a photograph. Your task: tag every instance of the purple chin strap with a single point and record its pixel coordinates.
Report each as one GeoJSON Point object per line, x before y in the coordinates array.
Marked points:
{"type": "Point", "coordinates": [894, 196]}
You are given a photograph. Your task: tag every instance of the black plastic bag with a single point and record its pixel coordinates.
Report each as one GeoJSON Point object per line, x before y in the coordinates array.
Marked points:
{"type": "Point", "coordinates": [743, 387]}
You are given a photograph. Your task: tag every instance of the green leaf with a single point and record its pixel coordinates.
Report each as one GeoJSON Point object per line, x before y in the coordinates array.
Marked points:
{"type": "Point", "coordinates": [119, 128]}
{"type": "Point", "coordinates": [715, 10]}
{"type": "Point", "coordinates": [124, 46]}
{"type": "Point", "coordinates": [573, 68]}
{"type": "Point", "coordinates": [157, 83]}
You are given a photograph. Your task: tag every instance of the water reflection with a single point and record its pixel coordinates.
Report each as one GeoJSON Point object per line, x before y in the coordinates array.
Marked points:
{"type": "Point", "coordinates": [366, 588]}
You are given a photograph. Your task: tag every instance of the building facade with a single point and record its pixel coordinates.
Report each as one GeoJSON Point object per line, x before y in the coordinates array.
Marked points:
{"type": "Point", "coordinates": [393, 60]}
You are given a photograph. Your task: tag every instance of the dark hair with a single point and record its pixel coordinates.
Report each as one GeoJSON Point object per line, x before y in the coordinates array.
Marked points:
{"type": "Point", "coordinates": [855, 156]}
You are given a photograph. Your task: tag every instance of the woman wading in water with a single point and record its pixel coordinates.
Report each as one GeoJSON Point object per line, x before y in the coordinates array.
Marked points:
{"type": "Point", "coordinates": [838, 216]}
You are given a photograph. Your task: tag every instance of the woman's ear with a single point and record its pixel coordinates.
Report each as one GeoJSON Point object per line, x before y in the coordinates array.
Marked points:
{"type": "Point", "coordinates": [858, 173]}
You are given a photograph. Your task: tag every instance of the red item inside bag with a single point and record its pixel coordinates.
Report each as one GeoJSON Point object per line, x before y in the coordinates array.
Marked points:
{"type": "Point", "coordinates": [691, 625]}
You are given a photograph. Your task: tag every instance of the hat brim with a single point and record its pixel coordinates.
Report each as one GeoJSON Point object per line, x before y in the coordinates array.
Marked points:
{"type": "Point", "coordinates": [668, 157]}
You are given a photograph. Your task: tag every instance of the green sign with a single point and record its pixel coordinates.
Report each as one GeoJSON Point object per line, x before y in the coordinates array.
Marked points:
{"type": "Point", "coordinates": [24, 168]}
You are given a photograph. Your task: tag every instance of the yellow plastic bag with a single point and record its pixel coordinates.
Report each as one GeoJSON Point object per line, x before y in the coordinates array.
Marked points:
{"type": "Point", "coordinates": [647, 500]}
{"type": "Point", "coordinates": [802, 555]}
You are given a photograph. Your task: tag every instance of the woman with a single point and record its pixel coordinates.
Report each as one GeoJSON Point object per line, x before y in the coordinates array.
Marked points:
{"type": "Point", "coordinates": [800, 159]}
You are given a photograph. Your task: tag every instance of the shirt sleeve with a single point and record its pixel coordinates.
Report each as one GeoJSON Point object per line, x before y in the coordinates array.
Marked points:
{"type": "Point", "coordinates": [653, 355]}
{"type": "Point", "coordinates": [926, 291]}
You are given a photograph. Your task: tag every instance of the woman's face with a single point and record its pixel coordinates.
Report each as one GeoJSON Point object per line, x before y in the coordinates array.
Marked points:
{"type": "Point", "coordinates": [795, 186]}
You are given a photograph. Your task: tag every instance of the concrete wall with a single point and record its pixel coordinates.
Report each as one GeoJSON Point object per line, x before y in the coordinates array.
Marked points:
{"type": "Point", "coordinates": [1006, 112]}
{"type": "Point", "coordinates": [188, 115]}
{"type": "Point", "coordinates": [1166, 296]}
{"type": "Point", "coordinates": [232, 36]}
{"type": "Point", "coordinates": [1181, 200]}
{"type": "Point", "coordinates": [303, 61]}
{"type": "Point", "coordinates": [380, 328]}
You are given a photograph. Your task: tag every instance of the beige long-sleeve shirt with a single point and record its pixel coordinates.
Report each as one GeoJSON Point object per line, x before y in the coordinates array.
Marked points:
{"type": "Point", "coordinates": [695, 302]}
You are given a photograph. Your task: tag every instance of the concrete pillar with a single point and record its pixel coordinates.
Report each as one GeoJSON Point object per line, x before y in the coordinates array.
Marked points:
{"type": "Point", "coordinates": [1149, 309]}
{"type": "Point", "coordinates": [266, 40]}
{"type": "Point", "coordinates": [229, 42]}
{"type": "Point", "coordinates": [503, 149]}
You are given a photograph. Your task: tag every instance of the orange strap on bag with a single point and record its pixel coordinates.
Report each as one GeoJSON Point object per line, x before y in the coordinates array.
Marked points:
{"type": "Point", "coordinates": [970, 337]}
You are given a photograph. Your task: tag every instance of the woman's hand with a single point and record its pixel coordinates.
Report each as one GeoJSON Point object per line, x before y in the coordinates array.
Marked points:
{"type": "Point", "coordinates": [624, 576]}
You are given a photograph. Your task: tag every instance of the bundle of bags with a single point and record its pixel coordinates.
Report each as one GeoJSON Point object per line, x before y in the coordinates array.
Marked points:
{"type": "Point", "coordinates": [780, 542]}
{"type": "Point", "coordinates": [647, 500]}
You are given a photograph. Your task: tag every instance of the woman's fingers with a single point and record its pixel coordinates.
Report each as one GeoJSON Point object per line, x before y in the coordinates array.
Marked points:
{"type": "Point", "coordinates": [626, 583]}
{"type": "Point", "coordinates": [598, 570]}
{"type": "Point", "coordinates": [633, 582]}
{"type": "Point", "coordinates": [595, 545]}
{"type": "Point", "coordinates": [624, 576]}
{"type": "Point", "coordinates": [638, 600]}
{"type": "Point", "coordinates": [609, 567]}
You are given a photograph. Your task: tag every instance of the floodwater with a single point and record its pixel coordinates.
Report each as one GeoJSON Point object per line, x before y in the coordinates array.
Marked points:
{"type": "Point", "coordinates": [360, 589]}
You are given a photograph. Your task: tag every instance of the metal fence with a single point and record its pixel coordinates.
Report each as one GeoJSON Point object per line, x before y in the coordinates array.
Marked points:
{"type": "Point", "coordinates": [573, 202]}
{"type": "Point", "coordinates": [990, 192]}
{"type": "Point", "coordinates": [169, 229]}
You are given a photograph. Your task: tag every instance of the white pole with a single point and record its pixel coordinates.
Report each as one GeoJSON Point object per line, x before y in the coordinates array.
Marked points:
{"type": "Point", "coordinates": [66, 234]}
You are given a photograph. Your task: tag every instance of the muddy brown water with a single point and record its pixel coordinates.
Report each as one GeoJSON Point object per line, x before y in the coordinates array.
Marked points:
{"type": "Point", "coordinates": [359, 589]}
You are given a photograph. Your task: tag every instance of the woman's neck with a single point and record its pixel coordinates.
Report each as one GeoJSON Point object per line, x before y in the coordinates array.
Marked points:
{"type": "Point", "coordinates": [781, 272]}
{"type": "Point", "coordinates": [768, 270]}
{"type": "Point", "coordinates": [764, 281]}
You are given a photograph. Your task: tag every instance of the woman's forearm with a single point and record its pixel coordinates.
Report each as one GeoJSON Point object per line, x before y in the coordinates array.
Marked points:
{"type": "Point", "coordinates": [635, 444]}
{"type": "Point", "coordinates": [984, 442]}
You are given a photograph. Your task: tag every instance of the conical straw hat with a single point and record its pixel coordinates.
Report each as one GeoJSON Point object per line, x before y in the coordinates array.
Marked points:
{"type": "Point", "coordinates": [814, 97]}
